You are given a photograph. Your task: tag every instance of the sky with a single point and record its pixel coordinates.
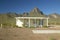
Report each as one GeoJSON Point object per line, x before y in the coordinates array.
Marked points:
{"type": "Point", "coordinates": [20, 6]}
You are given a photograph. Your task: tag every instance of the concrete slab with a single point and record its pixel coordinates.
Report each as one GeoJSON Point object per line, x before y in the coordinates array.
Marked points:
{"type": "Point", "coordinates": [45, 31]}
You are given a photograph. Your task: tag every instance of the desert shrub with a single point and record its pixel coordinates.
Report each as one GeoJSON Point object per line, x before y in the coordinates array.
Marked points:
{"type": "Point", "coordinates": [52, 38]}
{"type": "Point", "coordinates": [57, 23]}
{"type": "Point", "coordinates": [26, 26]}
{"type": "Point", "coordinates": [32, 27]}
{"type": "Point", "coordinates": [45, 27]}
{"type": "Point", "coordinates": [14, 26]}
{"type": "Point", "coordinates": [4, 25]}
{"type": "Point", "coordinates": [8, 25]}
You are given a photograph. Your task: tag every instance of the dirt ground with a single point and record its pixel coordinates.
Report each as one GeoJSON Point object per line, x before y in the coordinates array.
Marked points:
{"type": "Point", "coordinates": [26, 34]}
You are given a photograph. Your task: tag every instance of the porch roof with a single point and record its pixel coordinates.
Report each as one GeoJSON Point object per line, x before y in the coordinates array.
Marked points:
{"type": "Point", "coordinates": [32, 17]}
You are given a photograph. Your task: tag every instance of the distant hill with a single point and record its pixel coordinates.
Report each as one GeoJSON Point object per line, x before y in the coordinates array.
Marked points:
{"type": "Point", "coordinates": [36, 13]}
{"type": "Point", "coordinates": [8, 18]}
{"type": "Point", "coordinates": [54, 15]}
{"type": "Point", "coordinates": [25, 14]}
{"type": "Point", "coordinates": [54, 19]}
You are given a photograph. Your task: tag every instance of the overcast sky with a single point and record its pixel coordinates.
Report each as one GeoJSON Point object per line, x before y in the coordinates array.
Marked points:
{"type": "Point", "coordinates": [20, 6]}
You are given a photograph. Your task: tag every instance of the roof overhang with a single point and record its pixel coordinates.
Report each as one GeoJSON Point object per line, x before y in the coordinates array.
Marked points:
{"type": "Point", "coordinates": [32, 17]}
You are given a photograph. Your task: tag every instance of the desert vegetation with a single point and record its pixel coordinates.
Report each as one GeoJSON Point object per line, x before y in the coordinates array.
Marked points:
{"type": "Point", "coordinates": [8, 19]}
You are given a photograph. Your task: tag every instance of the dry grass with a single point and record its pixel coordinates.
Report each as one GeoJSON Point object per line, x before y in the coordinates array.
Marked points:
{"type": "Point", "coordinates": [25, 34]}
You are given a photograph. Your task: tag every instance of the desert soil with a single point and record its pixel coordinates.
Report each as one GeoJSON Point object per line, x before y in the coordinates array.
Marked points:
{"type": "Point", "coordinates": [26, 34]}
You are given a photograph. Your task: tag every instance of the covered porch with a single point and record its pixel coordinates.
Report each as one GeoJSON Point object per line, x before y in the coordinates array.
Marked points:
{"type": "Point", "coordinates": [33, 21]}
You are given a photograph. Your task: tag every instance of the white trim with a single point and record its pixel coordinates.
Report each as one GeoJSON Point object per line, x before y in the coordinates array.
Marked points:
{"type": "Point", "coordinates": [32, 17]}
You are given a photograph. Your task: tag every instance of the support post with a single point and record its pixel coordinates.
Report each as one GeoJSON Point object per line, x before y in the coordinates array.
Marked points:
{"type": "Point", "coordinates": [35, 23]}
{"type": "Point", "coordinates": [47, 22]}
{"type": "Point", "coordinates": [29, 22]}
{"type": "Point", "coordinates": [41, 23]}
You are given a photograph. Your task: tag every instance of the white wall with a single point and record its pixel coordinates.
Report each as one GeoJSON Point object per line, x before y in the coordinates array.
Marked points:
{"type": "Point", "coordinates": [19, 23]}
